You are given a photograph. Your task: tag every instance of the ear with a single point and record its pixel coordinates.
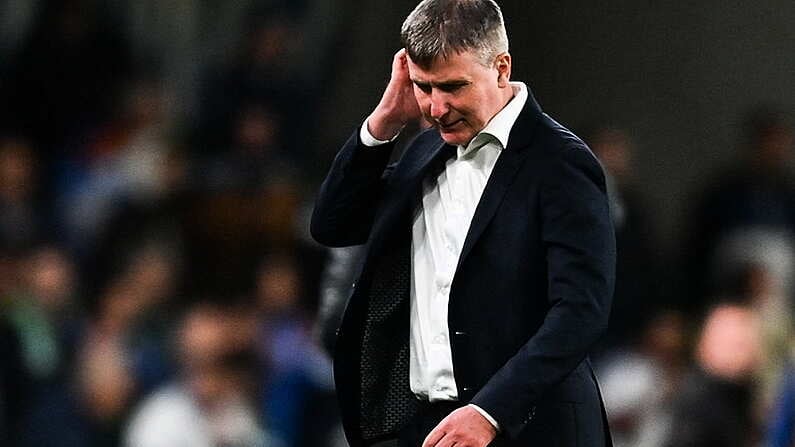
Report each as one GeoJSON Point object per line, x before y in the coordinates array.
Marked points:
{"type": "Point", "coordinates": [503, 66]}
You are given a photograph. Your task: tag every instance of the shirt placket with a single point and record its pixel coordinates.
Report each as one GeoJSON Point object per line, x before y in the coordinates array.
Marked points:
{"type": "Point", "coordinates": [443, 386]}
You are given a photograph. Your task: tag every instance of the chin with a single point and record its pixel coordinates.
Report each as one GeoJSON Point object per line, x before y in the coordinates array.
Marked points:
{"type": "Point", "coordinates": [456, 139]}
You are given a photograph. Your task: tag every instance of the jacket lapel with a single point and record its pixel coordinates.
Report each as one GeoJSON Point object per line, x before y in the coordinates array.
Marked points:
{"type": "Point", "coordinates": [419, 164]}
{"type": "Point", "coordinates": [504, 172]}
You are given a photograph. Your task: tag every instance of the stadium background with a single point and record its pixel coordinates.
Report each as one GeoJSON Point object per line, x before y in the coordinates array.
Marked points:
{"type": "Point", "coordinates": [158, 161]}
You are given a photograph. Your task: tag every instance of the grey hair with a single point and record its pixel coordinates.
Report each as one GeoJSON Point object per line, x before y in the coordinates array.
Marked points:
{"type": "Point", "coordinates": [441, 28]}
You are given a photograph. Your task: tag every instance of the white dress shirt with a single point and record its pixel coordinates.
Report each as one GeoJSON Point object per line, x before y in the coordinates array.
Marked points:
{"type": "Point", "coordinates": [439, 229]}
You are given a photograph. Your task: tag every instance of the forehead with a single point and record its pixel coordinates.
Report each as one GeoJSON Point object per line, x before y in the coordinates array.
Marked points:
{"type": "Point", "coordinates": [458, 66]}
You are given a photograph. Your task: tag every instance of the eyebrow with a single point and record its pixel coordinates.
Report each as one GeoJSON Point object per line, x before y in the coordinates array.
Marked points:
{"type": "Point", "coordinates": [443, 84]}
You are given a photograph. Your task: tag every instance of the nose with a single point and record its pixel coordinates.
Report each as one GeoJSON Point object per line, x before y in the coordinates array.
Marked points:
{"type": "Point", "coordinates": [439, 106]}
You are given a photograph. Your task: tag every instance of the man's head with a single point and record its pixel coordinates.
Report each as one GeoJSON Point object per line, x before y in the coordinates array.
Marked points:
{"type": "Point", "coordinates": [459, 63]}
{"type": "Point", "coordinates": [438, 29]}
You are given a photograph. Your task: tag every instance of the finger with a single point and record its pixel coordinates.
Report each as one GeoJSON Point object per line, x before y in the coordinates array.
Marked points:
{"type": "Point", "coordinates": [399, 64]}
{"type": "Point", "coordinates": [433, 437]}
{"type": "Point", "coordinates": [447, 441]}
{"type": "Point", "coordinates": [400, 58]}
{"type": "Point", "coordinates": [404, 58]}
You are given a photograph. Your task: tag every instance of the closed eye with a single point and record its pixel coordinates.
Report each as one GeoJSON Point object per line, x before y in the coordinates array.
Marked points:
{"type": "Point", "coordinates": [451, 87]}
{"type": "Point", "coordinates": [424, 86]}
{"type": "Point", "coordinates": [446, 87]}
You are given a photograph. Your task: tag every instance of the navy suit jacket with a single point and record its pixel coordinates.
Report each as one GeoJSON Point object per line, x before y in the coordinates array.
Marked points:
{"type": "Point", "coordinates": [530, 296]}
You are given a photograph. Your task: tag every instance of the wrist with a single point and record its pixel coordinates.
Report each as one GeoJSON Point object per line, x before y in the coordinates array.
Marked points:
{"type": "Point", "coordinates": [494, 424]}
{"type": "Point", "coordinates": [383, 128]}
{"type": "Point", "coordinates": [367, 138]}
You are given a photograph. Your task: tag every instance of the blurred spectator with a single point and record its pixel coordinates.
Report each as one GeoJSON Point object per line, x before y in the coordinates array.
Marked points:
{"type": "Point", "coordinates": [162, 219]}
{"type": "Point", "coordinates": [65, 77]}
{"type": "Point", "coordinates": [134, 314]}
{"type": "Point", "coordinates": [639, 384]}
{"type": "Point", "coordinates": [125, 161]}
{"type": "Point", "coordinates": [714, 406]}
{"type": "Point", "coordinates": [208, 405]}
{"type": "Point", "coordinates": [756, 266]}
{"type": "Point", "coordinates": [637, 272]}
{"type": "Point", "coordinates": [264, 72]}
{"type": "Point", "coordinates": [255, 157]}
{"type": "Point", "coordinates": [774, 311]}
{"type": "Point", "coordinates": [21, 217]}
{"type": "Point", "coordinates": [752, 204]}
{"type": "Point", "coordinates": [45, 315]}
{"type": "Point", "coordinates": [122, 356]}
{"type": "Point", "coordinates": [298, 374]}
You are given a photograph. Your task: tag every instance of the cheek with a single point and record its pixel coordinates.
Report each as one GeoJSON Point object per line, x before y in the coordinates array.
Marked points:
{"type": "Point", "coordinates": [423, 99]}
{"type": "Point", "coordinates": [468, 106]}
{"type": "Point", "coordinates": [423, 104]}
{"type": "Point", "coordinates": [477, 115]}
{"type": "Point", "coordinates": [470, 116]}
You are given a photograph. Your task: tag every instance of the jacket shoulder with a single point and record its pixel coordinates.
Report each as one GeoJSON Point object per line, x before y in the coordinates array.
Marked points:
{"type": "Point", "coordinates": [557, 145]}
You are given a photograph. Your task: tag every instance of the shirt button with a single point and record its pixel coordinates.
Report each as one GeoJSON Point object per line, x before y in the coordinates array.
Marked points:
{"type": "Point", "coordinates": [440, 339]}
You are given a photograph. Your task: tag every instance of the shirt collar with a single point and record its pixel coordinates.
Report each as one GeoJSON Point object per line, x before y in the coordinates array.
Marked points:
{"type": "Point", "coordinates": [499, 127]}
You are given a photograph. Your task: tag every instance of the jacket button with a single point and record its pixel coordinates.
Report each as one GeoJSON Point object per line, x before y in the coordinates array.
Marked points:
{"type": "Point", "coordinates": [459, 333]}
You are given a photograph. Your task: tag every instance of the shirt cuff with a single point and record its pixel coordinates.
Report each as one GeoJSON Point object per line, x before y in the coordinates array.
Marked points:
{"type": "Point", "coordinates": [487, 416]}
{"type": "Point", "coordinates": [369, 140]}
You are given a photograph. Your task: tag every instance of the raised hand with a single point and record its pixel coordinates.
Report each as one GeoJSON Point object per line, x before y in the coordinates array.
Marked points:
{"type": "Point", "coordinates": [398, 106]}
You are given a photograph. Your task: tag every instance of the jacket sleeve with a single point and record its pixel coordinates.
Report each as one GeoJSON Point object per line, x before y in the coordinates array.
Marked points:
{"type": "Point", "coordinates": [577, 232]}
{"type": "Point", "coordinates": [349, 195]}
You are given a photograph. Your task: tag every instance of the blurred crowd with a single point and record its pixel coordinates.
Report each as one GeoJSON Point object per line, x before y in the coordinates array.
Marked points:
{"type": "Point", "coordinates": [158, 287]}
{"type": "Point", "coordinates": [700, 347]}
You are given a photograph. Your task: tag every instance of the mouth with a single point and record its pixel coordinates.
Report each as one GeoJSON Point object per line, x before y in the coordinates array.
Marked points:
{"type": "Point", "coordinates": [449, 126]}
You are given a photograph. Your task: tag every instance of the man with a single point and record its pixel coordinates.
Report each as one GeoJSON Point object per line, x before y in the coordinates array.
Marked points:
{"type": "Point", "coordinates": [490, 253]}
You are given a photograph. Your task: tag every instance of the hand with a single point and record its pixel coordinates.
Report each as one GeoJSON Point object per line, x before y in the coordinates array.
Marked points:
{"type": "Point", "coordinates": [398, 105]}
{"type": "Point", "coordinates": [464, 427]}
